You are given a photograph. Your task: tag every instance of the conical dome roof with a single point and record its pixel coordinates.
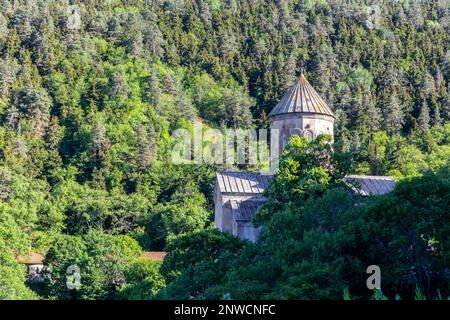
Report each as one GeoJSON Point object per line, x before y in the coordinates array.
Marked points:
{"type": "Point", "coordinates": [301, 97]}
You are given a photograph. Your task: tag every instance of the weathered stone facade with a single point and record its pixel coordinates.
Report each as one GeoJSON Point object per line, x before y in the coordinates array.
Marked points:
{"type": "Point", "coordinates": [237, 195]}
{"type": "Point", "coordinates": [308, 125]}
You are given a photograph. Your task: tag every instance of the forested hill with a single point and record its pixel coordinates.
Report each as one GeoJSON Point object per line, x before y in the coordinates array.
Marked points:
{"type": "Point", "coordinates": [380, 67]}
{"type": "Point", "coordinates": [90, 92]}
{"type": "Point", "coordinates": [388, 63]}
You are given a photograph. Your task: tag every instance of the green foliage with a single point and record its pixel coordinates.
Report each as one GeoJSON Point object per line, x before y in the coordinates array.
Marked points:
{"type": "Point", "coordinates": [406, 233]}
{"type": "Point", "coordinates": [87, 115]}
{"type": "Point", "coordinates": [14, 240]}
{"type": "Point", "coordinates": [12, 276]}
{"type": "Point", "coordinates": [142, 280]}
{"type": "Point", "coordinates": [404, 157]}
{"type": "Point", "coordinates": [378, 295]}
{"type": "Point", "coordinates": [346, 296]}
{"type": "Point", "coordinates": [307, 169]}
{"type": "Point", "coordinates": [321, 247]}
{"type": "Point", "coordinates": [196, 262]}
{"type": "Point", "coordinates": [102, 260]}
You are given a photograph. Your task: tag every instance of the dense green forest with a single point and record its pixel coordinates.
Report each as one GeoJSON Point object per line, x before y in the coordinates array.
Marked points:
{"type": "Point", "coordinates": [91, 91]}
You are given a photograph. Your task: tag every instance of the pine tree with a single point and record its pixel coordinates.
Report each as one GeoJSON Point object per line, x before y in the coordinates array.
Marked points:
{"type": "Point", "coordinates": [34, 104]}
{"type": "Point", "coordinates": [54, 135]}
{"type": "Point", "coordinates": [428, 85]}
{"type": "Point", "coordinates": [373, 113]}
{"type": "Point", "coordinates": [446, 110]}
{"type": "Point", "coordinates": [171, 84]}
{"type": "Point", "coordinates": [40, 113]}
{"type": "Point", "coordinates": [119, 85]}
{"type": "Point", "coordinates": [436, 116]}
{"type": "Point", "coordinates": [153, 37]}
{"type": "Point", "coordinates": [53, 139]}
{"type": "Point", "coordinates": [7, 76]}
{"type": "Point", "coordinates": [204, 12]}
{"type": "Point", "coordinates": [136, 45]}
{"type": "Point", "coordinates": [13, 119]}
{"type": "Point", "coordinates": [146, 149]}
{"type": "Point", "coordinates": [154, 90]}
{"type": "Point", "coordinates": [341, 131]}
{"type": "Point", "coordinates": [3, 27]}
{"type": "Point", "coordinates": [289, 71]}
{"type": "Point", "coordinates": [99, 141]}
{"type": "Point", "coordinates": [394, 115]}
{"type": "Point", "coordinates": [263, 121]}
{"type": "Point", "coordinates": [424, 117]}
{"type": "Point", "coordinates": [236, 110]}
{"type": "Point", "coordinates": [228, 46]}
{"type": "Point", "coordinates": [185, 109]}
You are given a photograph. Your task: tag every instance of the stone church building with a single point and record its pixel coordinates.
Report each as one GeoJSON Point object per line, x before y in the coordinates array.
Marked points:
{"type": "Point", "coordinates": [238, 195]}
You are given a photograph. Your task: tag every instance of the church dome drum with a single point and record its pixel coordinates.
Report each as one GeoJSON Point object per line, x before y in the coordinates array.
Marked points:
{"type": "Point", "coordinates": [301, 111]}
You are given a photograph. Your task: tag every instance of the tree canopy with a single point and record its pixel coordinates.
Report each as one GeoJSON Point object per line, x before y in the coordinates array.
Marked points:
{"type": "Point", "coordinates": [91, 93]}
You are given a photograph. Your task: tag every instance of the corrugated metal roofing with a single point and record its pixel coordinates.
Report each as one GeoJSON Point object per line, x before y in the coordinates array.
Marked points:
{"type": "Point", "coordinates": [242, 182]}
{"type": "Point", "coordinates": [256, 183]}
{"type": "Point", "coordinates": [370, 185]}
{"type": "Point", "coordinates": [245, 210]}
{"type": "Point", "coordinates": [302, 97]}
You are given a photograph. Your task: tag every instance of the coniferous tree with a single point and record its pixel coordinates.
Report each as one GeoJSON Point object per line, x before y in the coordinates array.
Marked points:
{"type": "Point", "coordinates": [289, 71]}
{"type": "Point", "coordinates": [146, 150]}
{"type": "Point", "coordinates": [424, 117]}
{"type": "Point", "coordinates": [119, 85]}
{"type": "Point", "coordinates": [204, 12]}
{"type": "Point", "coordinates": [99, 141]}
{"type": "Point", "coordinates": [153, 38]}
{"type": "Point", "coordinates": [34, 104]}
{"type": "Point", "coordinates": [8, 71]}
{"type": "Point", "coordinates": [437, 117]}
{"type": "Point", "coordinates": [446, 110]}
{"type": "Point", "coordinates": [171, 84]}
{"type": "Point", "coordinates": [154, 90]}
{"type": "Point", "coordinates": [3, 27]}
{"type": "Point", "coordinates": [136, 45]}
{"type": "Point", "coordinates": [394, 115]}
{"type": "Point", "coordinates": [185, 109]}
{"type": "Point", "coordinates": [236, 110]}
{"type": "Point", "coordinates": [13, 119]}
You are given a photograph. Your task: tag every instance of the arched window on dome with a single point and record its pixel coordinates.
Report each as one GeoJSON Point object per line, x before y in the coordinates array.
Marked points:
{"type": "Point", "coordinates": [284, 140]}
{"type": "Point", "coordinates": [308, 134]}
{"type": "Point", "coordinates": [296, 131]}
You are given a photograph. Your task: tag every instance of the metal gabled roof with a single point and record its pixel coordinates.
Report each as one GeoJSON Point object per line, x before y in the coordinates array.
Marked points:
{"type": "Point", "coordinates": [245, 210]}
{"type": "Point", "coordinates": [370, 185]}
{"type": "Point", "coordinates": [242, 182]}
